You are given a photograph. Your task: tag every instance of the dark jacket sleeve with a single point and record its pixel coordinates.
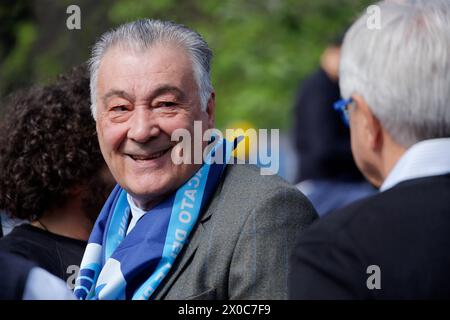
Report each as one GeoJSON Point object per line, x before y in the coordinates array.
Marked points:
{"type": "Point", "coordinates": [326, 265]}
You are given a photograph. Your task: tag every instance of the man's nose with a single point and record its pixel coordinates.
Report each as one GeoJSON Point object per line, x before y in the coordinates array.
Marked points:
{"type": "Point", "coordinates": [143, 125]}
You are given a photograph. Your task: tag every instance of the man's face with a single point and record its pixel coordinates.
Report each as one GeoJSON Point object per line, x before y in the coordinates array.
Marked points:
{"type": "Point", "coordinates": [142, 97]}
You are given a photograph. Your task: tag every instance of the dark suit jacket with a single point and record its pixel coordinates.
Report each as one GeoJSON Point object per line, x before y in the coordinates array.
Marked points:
{"type": "Point", "coordinates": [241, 245]}
{"type": "Point", "coordinates": [405, 231]}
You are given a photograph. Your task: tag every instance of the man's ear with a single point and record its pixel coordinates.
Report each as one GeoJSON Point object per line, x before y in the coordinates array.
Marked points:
{"type": "Point", "coordinates": [211, 109]}
{"type": "Point", "coordinates": [370, 125]}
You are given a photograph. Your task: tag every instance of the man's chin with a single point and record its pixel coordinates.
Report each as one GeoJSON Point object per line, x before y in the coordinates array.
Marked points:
{"type": "Point", "coordinates": [155, 186]}
{"type": "Point", "coordinates": [150, 196]}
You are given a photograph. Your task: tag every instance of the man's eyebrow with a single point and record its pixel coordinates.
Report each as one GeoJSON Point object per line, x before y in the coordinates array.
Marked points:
{"type": "Point", "coordinates": [159, 91]}
{"type": "Point", "coordinates": [117, 93]}
{"type": "Point", "coordinates": [168, 89]}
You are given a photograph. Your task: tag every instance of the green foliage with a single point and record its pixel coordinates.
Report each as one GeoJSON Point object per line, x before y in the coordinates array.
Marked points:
{"type": "Point", "coordinates": [262, 48]}
{"type": "Point", "coordinates": [12, 64]}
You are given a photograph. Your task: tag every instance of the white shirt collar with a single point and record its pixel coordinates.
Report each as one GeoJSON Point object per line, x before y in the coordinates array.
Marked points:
{"type": "Point", "coordinates": [424, 159]}
{"type": "Point", "coordinates": [136, 213]}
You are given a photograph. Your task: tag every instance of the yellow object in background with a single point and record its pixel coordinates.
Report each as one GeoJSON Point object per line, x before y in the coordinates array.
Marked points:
{"type": "Point", "coordinates": [248, 144]}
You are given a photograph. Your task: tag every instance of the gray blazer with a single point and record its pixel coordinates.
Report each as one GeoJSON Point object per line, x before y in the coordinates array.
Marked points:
{"type": "Point", "coordinates": [241, 245]}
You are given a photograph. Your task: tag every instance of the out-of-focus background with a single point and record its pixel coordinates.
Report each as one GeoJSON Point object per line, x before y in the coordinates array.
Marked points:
{"type": "Point", "coordinates": [263, 49]}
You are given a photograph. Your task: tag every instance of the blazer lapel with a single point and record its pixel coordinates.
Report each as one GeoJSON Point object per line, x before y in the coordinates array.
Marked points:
{"type": "Point", "coordinates": [187, 253]}
{"type": "Point", "coordinates": [181, 262]}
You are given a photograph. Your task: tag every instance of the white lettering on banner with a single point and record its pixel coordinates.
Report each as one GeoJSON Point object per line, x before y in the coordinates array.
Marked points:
{"type": "Point", "coordinates": [196, 180]}
{"type": "Point", "coordinates": [185, 217]}
{"type": "Point", "coordinates": [185, 204]}
{"type": "Point", "coordinates": [176, 248]}
{"type": "Point", "coordinates": [180, 235]}
{"type": "Point", "coordinates": [148, 292]}
{"type": "Point", "coordinates": [190, 194]}
{"type": "Point", "coordinates": [160, 275]}
{"type": "Point", "coordinates": [164, 270]}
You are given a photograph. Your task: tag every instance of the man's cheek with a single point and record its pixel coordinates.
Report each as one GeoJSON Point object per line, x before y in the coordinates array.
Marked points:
{"type": "Point", "coordinates": [113, 137]}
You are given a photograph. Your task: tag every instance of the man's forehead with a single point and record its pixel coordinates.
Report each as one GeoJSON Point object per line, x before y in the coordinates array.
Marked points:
{"type": "Point", "coordinates": [159, 56]}
{"type": "Point", "coordinates": [157, 69]}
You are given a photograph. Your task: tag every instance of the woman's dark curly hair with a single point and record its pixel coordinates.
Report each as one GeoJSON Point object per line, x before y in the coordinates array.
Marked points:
{"type": "Point", "coordinates": [48, 145]}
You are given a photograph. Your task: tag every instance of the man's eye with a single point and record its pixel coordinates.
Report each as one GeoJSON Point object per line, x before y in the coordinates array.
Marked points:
{"type": "Point", "coordinates": [119, 108]}
{"type": "Point", "coordinates": [167, 104]}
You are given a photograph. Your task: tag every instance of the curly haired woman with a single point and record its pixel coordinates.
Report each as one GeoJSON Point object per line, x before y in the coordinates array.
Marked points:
{"type": "Point", "coordinates": [52, 173]}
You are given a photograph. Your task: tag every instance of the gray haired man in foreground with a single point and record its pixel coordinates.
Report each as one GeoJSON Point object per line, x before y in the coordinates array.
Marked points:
{"type": "Point", "coordinates": [178, 230]}
{"type": "Point", "coordinates": [396, 84]}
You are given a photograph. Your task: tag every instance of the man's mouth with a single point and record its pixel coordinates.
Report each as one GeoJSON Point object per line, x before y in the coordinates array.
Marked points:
{"type": "Point", "coordinates": [151, 156]}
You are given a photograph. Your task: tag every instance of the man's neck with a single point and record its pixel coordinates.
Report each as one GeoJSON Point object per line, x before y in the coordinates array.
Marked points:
{"type": "Point", "coordinates": [147, 204]}
{"type": "Point", "coordinates": [390, 155]}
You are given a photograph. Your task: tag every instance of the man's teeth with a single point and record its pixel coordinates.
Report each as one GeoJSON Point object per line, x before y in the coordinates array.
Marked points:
{"type": "Point", "coordinates": [150, 157]}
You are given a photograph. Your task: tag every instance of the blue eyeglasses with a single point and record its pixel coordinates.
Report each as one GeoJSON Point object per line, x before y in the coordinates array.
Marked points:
{"type": "Point", "coordinates": [342, 107]}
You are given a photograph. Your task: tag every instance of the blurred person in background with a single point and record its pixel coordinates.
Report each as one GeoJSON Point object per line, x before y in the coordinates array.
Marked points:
{"type": "Point", "coordinates": [327, 173]}
{"type": "Point", "coordinates": [21, 279]}
{"type": "Point", "coordinates": [52, 173]}
{"type": "Point", "coordinates": [7, 223]}
{"type": "Point", "coordinates": [395, 81]}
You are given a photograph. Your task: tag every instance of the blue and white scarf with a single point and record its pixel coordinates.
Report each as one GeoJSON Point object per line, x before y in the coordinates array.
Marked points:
{"type": "Point", "coordinates": [120, 266]}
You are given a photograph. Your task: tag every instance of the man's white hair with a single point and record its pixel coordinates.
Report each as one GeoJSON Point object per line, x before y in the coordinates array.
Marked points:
{"type": "Point", "coordinates": [403, 69]}
{"type": "Point", "coordinates": [141, 35]}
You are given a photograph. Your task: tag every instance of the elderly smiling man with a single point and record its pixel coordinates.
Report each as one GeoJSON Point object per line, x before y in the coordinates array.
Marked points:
{"type": "Point", "coordinates": [394, 245]}
{"type": "Point", "coordinates": [176, 231]}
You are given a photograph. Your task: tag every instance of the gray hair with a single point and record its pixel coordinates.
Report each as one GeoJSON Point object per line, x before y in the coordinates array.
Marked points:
{"type": "Point", "coordinates": [141, 35]}
{"type": "Point", "coordinates": [403, 69]}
